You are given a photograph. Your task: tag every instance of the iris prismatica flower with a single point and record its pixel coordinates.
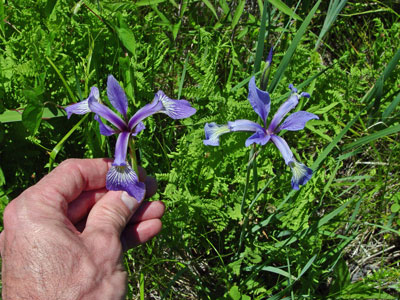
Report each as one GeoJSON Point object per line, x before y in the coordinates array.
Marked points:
{"type": "Point", "coordinates": [121, 176]}
{"type": "Point", "coordinates": [261, 102]}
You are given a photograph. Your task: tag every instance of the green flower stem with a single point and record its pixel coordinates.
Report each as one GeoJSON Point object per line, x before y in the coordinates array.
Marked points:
{"type": "Point", "coordinates": [252, 164]}
{"type": "Point", "coordinates": [132, 155]}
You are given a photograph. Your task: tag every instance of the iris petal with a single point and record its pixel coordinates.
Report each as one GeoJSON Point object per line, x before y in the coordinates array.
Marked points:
{"type": "Point", "coordinates": [301, 174]}
{"type": "Point", "coordinates": [259, 100]}
{"type": "Point", "coordinates": [245, 125]}
{"type": "Point", "coordinates": [213, 131]}
{"type": "Point", "coordinates": [287, 106]}
{"type": "Point", "coordinates": [258, 138]}
{"type": "Point", "coordinates": [297, 121]}
{"type": "Point", "coordinates": [176, 109]}
{"type": "Point", "coordinates": [123, 178]}
{"type": "Point", "coordinates": [106, 113]}
{"type": "Point", "coordinates": [121, 148]}
{"type": "Point", "coordinates": [104, 129]}
{"type": "Point", "coordinates": [283, 148]}
{"type": "Point", "coordinates": [116, 95]}
{"type": "Point", "coordinates": [149, 109]}
{"type": "Point", "coordinates": [139, 127]}
{"type": "Point", "coordinates": [79, 108]}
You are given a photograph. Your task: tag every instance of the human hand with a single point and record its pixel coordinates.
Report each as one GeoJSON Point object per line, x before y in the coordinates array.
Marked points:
{"type": "Point", "coordinates": [63, 237]}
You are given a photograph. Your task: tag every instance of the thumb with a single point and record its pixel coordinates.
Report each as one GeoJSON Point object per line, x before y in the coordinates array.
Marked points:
{"type": "Point", "coordinates": [112, 212]}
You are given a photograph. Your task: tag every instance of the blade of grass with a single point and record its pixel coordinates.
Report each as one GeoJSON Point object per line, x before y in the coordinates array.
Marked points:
{"type": "Point", "coordinates": [260, 41]}
{"type": "Point", "coordinates": [211, 7]}
{"type": "Point", "coordinates": [182, 77]}
{"type": "Point", "coordinates": [16, 115]}
{"type": "Point", "coordinates": [335, 7]}
{"type": "Point", "coordinates": [71, 94]}
{"type": "Point", "coordinates": [367, 98]}
{"type": "Point", "coordinates": [388, 111]}
{"type": "Point", "coordinates": [238, 13]}
{"type": "Point", "coordinates": [281, 6]}
{"type": "Point", "coordinates": [372, 137]}
{"type": "Point", "coordinates": [58, 147]}
{"type": "Point", "coordinates": [292, 48]}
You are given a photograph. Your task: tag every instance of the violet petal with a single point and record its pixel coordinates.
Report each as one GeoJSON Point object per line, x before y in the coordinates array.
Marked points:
{"type": "Point", "coordinates": [106, 113]}
{"type": "Point", "coordinates": [116, 95]}
{"type": "Point", "coordinates": [213, 131]}
{"type": "Point", "coordinates": [121, 148]}
{"type": "Point", "coordinates": [123, 178]}
{"type": "Point", "coordinates": [104, 129]}
{"type": "Point", "coordinates": [297, 121]}
{"type": "Point", "coordinates": [176, 109]}
{"type": "Point", "coordinates": [259, 100]}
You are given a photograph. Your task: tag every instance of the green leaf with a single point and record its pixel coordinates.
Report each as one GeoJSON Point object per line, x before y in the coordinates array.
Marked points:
{"type": "Point", "coordinates": [2, 178]}
{"type": "Point", "coordinates": [234, 293]}
{"type": "Point", "coordinates": [307, 266]}
{"type": "Point", "coordinates": [16, 115]}
{"type": "Point", "coordinates": [261, 37]}
{"type": "Point", "coordinates": [388, 111]}
{"type": "Point", "coordinates": [372, 137]}
{"type": "Point", "coordinates": [211, 7]}
{"type": "Point", "coordinates": [292, 48]}
{"type": "Point", "coordinates": [31, 118]}
{"type": "Point", "coordinates": [395, 208]}
{"type": "Point", "coordinates": [148, 2]}
{"type": "Point", "coordinates": [127, 38]}
{"type": "Point", "coordinates": [59, 145]}
{"type": "Point", "coordinates": [341, 276]}
{"type": "Point", "coordinates": [335, 7]}
{"type": "Point", "coordinates": [279, 272]}
{"type": "Point", "coordinates": [238, 13]}
{"type": "Point", "coordinates": [285, 9]}
{"type": "Point", "coordinates": [70, 93]}
{"type": "Point", "coordinates": [367, 98]}
{"type": "Point", "coordinates": [2, 17]}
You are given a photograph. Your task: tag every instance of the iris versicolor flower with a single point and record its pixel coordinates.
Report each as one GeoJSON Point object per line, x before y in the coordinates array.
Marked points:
{"type": "Point", "coordinates": [260, 101]}
{"type": "Point", "coordinates": [121, 176]}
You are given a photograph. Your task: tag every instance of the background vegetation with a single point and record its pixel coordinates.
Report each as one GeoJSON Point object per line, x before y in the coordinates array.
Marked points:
{"type": "Point", "coordinates": [336, 238]}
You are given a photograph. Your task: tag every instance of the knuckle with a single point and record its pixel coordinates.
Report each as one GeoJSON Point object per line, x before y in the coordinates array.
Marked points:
{"type": "Point", "coordinates": [70, 163]}
{"type": "Point", "coordinates": [9, 214]}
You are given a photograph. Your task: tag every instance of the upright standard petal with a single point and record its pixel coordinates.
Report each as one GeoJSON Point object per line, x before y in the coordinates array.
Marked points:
{"type": "Point", "coordinates": [106, 113]}
{"type": "Point", "coordinates": [176, 109]}
{"type": "Point", "coordinates": [287, 106]}
{"type": "Point", "coordinates": [213, 131]}
{"type": "Point", "coordinates": [123, 178]}
{"type": "Point", "coordinates": [116, 95]}
{"type": "Point", "coordinates": [297, 121]}
{"type": "Point", "coordinates": [259, 100]}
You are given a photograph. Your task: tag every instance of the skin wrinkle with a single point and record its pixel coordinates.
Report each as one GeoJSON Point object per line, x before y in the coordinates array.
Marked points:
{"type": "Point", "coordinates": [44, 255]}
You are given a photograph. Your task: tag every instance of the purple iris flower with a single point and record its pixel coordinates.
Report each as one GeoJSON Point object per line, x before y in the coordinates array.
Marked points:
{"type": "Point", "coordinates": [121, 176]}
{"type": "Point", "coordinates": [260, 101]}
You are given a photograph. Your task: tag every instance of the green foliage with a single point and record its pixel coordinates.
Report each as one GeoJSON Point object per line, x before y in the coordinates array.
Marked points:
{"type": "Point", "coordinates": [220, 242]}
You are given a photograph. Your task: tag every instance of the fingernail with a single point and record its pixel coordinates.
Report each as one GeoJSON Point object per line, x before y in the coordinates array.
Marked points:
{"type": "Point", "coordinates": [129, 201]}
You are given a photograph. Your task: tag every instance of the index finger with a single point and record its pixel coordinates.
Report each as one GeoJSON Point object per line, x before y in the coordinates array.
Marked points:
{"type": "Point", "coordinates": [73, 176]}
